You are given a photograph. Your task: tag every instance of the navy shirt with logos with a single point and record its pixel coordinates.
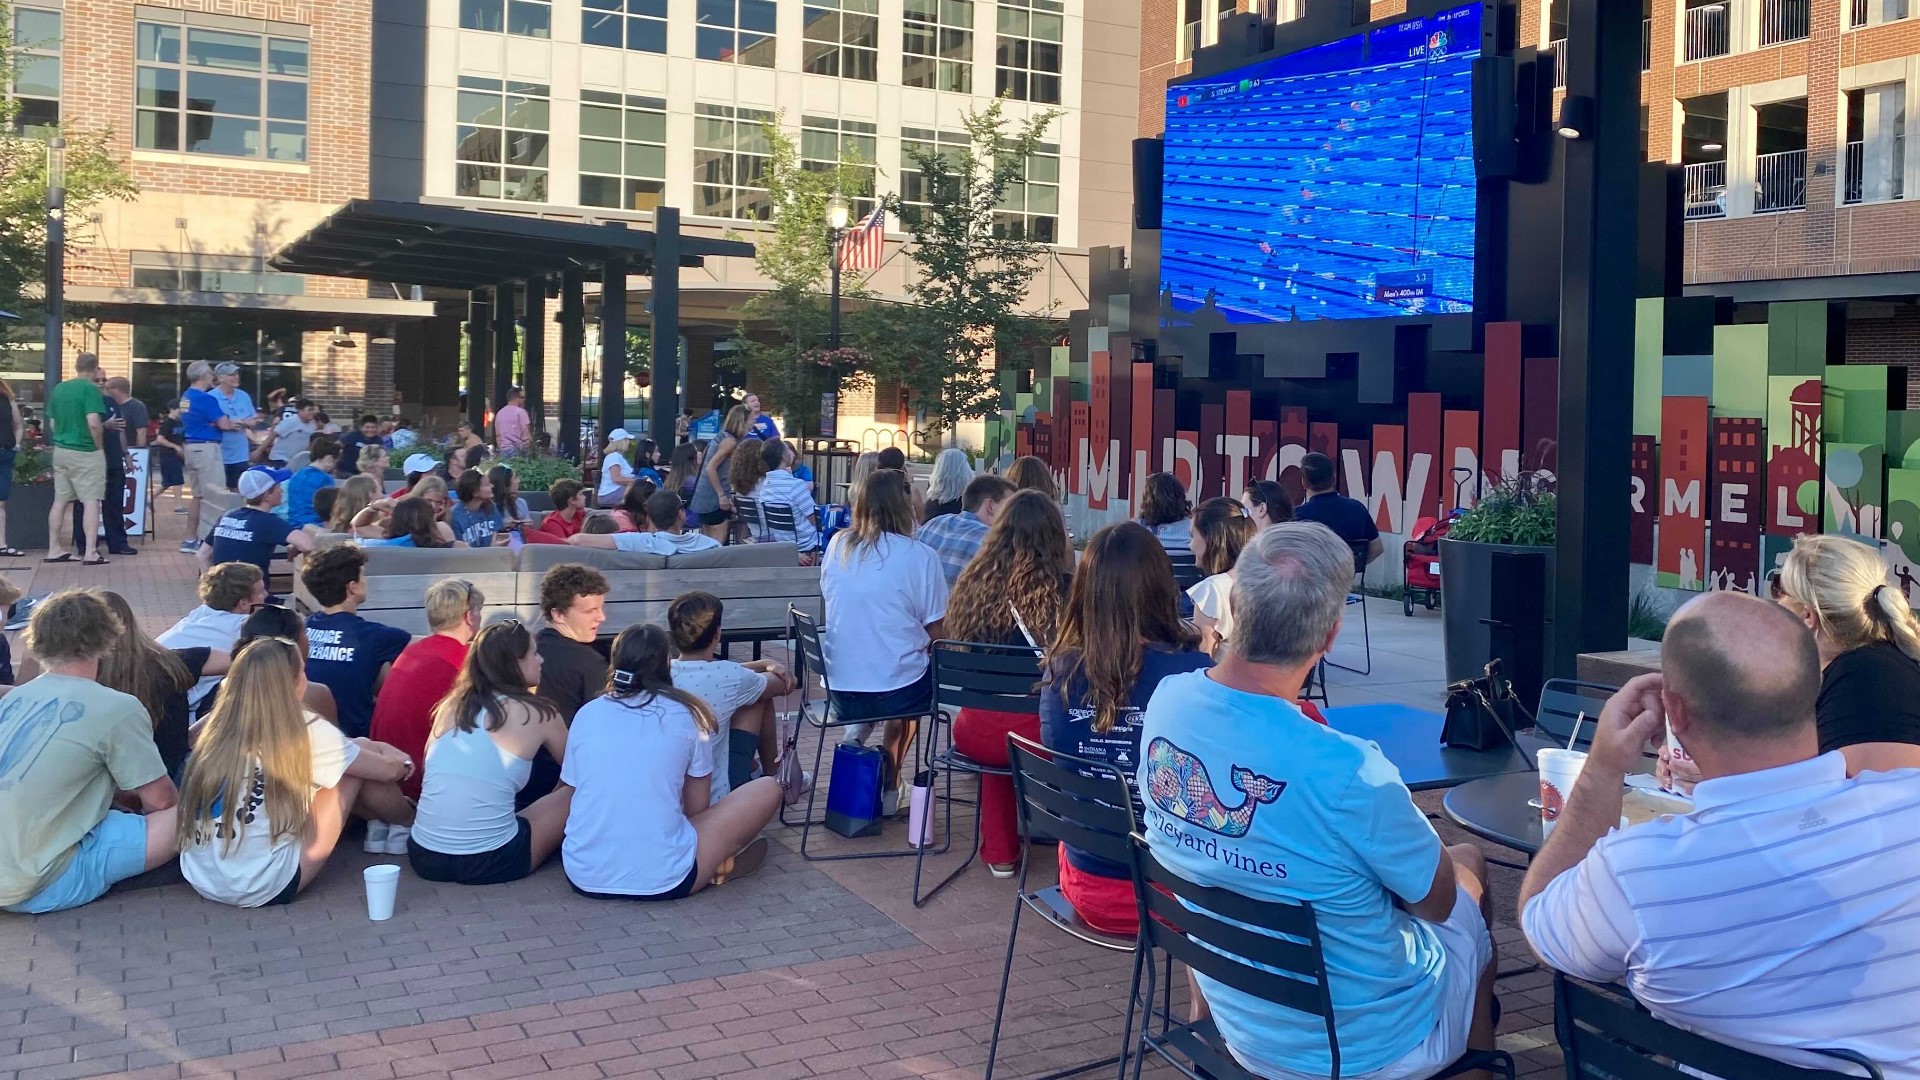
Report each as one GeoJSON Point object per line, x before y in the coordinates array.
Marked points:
{"type": "Point", "coordinates": [1348, 518]}
{"type": "Point", "coordinates": [200, 416]}
{"type": "Point", "coordinates": [248, 535]}
{"type": "Point", "coordinates": [1066, 725]}
{"type": "Point", "coordinates": [345, 654]}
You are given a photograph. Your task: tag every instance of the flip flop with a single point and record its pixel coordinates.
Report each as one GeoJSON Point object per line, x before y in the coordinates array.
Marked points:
{"type": "Point", "coordinates": [11, 553]}
{"type": "Point", "coordinates": [744, 862]}
{"type": "Point", "coordinates": [65, 556]}
{"type": "Point", "coordinates": [101, 561]}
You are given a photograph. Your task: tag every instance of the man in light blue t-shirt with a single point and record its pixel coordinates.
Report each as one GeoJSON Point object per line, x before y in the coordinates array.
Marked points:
{"type": "Point", "coordinates": [1243, 792]}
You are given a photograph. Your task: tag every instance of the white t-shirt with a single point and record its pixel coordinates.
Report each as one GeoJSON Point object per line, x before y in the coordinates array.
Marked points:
{"type": "Point", "coordinates": [254, 868]}
{"type": "Point", "coordinates": [1213, 597]}
{"type": "Point", "coordinates": [660, 543]}
{"type": "Point", "coordinates": [627, 762]}
{"type": "Point", "coordinates": [204, 627]}
{"type": "Point", "coordinates": [878, 605]}
{"type": "Point", "coordinates": [608, 488]}
{"type": "Point", "coordinates": [291, 436]}
{"type": "Point", "coordinates": [727, 688]}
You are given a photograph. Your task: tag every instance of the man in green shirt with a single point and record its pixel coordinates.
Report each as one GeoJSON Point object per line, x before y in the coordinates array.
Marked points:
{"type": "Point", "coordinates": [76, 411]}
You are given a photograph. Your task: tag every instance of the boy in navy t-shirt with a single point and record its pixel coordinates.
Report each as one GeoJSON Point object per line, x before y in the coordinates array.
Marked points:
{"type": "Point", "coordinates": [252, 532]}
{"type": "Point", "coordinates": [346, 653]}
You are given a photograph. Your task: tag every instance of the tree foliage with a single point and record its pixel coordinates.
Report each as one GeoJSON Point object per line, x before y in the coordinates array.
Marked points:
{"type": "Point", "coordinates": [94, 175]}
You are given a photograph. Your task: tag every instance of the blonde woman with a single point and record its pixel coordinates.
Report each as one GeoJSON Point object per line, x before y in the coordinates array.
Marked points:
{"type": "Point", "coordinates": [616, 471]}
{"type": "Point", "coordinates": [373, 463]}
{"type": "Point", "coordinates": [863, 466]}
{"type": "Point", "coordinates": [952, 471]}
{"type": "Point", "coordinates": [354, 507]}
{"type": "Point", "coordinates": [269, 786]}
{"type": "Point", "coordinates": [712, 497]}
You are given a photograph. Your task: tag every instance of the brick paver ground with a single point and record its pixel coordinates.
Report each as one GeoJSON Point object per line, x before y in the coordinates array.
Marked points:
{"type": "Point", "coordinates": [803, 970]}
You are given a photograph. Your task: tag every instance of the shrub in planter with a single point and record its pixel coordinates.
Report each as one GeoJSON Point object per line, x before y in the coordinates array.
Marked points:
{"type": "Point", "coordinates": [1516, 516]}
{"type": "Point", "coordinates": [538, 471]}
{"type": "Point", "coordinates": [32, 498]}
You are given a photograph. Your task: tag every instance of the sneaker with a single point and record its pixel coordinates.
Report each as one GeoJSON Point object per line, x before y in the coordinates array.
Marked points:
{"type": "Point", "coordinates": [376, 842]}
{"type": "Point", "coordinates": [397, 836]}
{"type": "Point", "coordinates": [189, 547]}
{"type": "Point", "coordinates": [856, 734]}
{"type": "Point", "coordinates": [890, 802]}
{"type": "Point", "coordinates": [1002, 869]}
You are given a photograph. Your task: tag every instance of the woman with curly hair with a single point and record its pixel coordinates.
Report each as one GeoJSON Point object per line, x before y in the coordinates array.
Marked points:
{"type": "Point", "coordinates": [1012, 593]}
{"type": "Point", "coordinates": [1221, 528]}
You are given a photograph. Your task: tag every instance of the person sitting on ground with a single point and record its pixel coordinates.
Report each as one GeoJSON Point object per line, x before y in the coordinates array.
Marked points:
{"type": "Point", "coordinates": [1165, 512]}
{"type": "Point", "coordinates": [312, 478]}
{"type": "Point", "coordinates": [569, 513]}
{"type": "Point", "coordinates": [956, 538]}
{"type": "Point", "coordinates": [952, 471]}
{"type": "Point", "coordinates": [426, 670]}
{"type": "Point", "coordinates": [301, 778]}
{"type": "Point", "coordinates": [885, 600]}
{"type": "Point", "coordinates": [354, 512]}
{"type": "Point", "coordinates": [486, 734]}
{"type": "Point", "coordinates": [1011, 595]}
{"type": "Point", "coordinates": [1119, 636]}
{"type": "Point", "coordinates": [67, 746]}
{"type": "Point", "coordinates": [573, 604]}
{"type": "Point", "coordinates": [643, 825]}
{"type": "Point", "coordinates": [1778, 916]}
{"type": "Point", "coordinates": [1266, 502]}
{"type": "Point", "coordinates": [506, 495]}
{"type": "Point", "coordinates": [9, 596]}
{"type": "Point", "coordinates": [780, 489]}
{"type": "Point", "coordinates": [670, 535]}
{"type": "Point", "coordinates": [631, 514]}
{"type": "Point", "coordinates": [1221, 529]}
{"type": "Point", "coordinates": [275, 620]}
{"type": "Point", "coordinates": [1348, 518]}
{"type": "Point", "coordinates": [158, 678]}
{"type": "Point", "coordinates": [412, 524]}
{"type": "Point", "coordinates": [229, 593]}
{"type": "Point", "coordinates": [476, 521]}
{"type": "Point", "coordinates": [346, 653]}
{"type": "Point", "coordinates": [1403, 919]}
{"type": "Point", "coordinates": [741, 696]}
{"type": "Point", "coordinates": [252, 532]}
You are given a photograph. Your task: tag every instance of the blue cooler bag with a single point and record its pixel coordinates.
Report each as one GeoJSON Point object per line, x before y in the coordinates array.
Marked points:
{"type": "Point", "coordinates": [853, 792]}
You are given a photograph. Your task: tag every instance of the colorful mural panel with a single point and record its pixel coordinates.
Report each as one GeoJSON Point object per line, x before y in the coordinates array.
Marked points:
{"type": "Point", "coordinates": [1681, 550]}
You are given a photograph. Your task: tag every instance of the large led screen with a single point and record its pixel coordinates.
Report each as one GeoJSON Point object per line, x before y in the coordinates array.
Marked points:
{"type": "Point", "coordinates": [1332, 183]}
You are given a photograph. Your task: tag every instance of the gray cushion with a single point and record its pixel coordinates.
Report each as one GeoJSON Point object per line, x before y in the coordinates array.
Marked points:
{"type": "Point", "coordinates": [539, 558]}
{"type": "Point", "coordinates": [449, 561]}
{"type": "Point", "coordinates": [780, 554]}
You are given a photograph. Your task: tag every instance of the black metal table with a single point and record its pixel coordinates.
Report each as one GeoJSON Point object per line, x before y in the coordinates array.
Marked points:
{"type": "Point", "coordinates": [1410, 738]}
{"type": "Point", "coordinates": [1498, 808]}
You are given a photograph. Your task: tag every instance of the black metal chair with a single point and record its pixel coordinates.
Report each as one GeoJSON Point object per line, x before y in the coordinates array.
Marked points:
{"type": "Point", "coordinates": [1237, 941]}
{"type": "Point", "coordinates": [1562, 703]}
{"type": "Point", "coordinates": [1186, 572]}
{"type": "Point", "coordinates": [810, 656]}
{"type": "Point", "coordinates": [776, 522]}
{"type": "Point", "coordinates": [1088, 804]}
{"type": "Point", "coordinates": [746, 513]}
{"type": "Point", "coordinates": [972, 675]}
{"type": "Point", "coordinates": [1604, 1033]}
{"type": "Point", "coordinates": [1358, 597]}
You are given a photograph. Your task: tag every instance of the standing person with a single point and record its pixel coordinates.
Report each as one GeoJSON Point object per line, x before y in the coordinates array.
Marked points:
{"type": "Point", "coordinates": [512, 424]}
{"type": "Point", "coordinates": [293, 433]}
{"type": "Point", "coordinates": [135, 433]}
{"type": "Point", "coordinates": [123, 427]}
{"type": "Point", "coordinates": [426, 670]}
{"type": "Point", "coordinates": [741, 696]}
{"type": "Point", "coordinates": [486, 734]}
{"type": "Point", "coordinates": [236, 448]}
{"type": "Point", "coordinates": [760, 425]}
{"type": "Point", "coordinates": [712, 498]}
{"type": "Point", "coordinates": [475, 519]}
{"type": "Point", "coordinates": [10, 428]}
{"type": "Point", "coordinates": [1403, 918]}
{"type": "Point", "coordinates": [158, 678]}
{"type": "Point", "coordinates": [322, 452]}
{"type": "Point", "coordinates": [956, 538]}
{"type": "Point", "coordinates": [885, 599]}
{"type": "Point", "coordinates": [1266, 502]}
{"type": "Point", "coordinates": [71, 745]}
{"type": "Point", "coordinates": [366, 434]}
{"type": "Point", "coordinates": [170, 452]}
{"type": "Point", "coordinates": [76, 419]}
{"type": "Point", "coordinates": [346, 653]}
{"type": "Point", "coordinates": [616, 472]}
{"type": "Point", "coordinates": [1348, 518]}
{"type": "Point", "coordinates": [1165, 513]}
{"type": "Point", "coordinates": [1011, 595]}
{"type": "Point", "coordinates": [643, 825]}
{"type": "Point", "coordinates": [204, 423]}
{"type": "Point", "coordinates": [252, 532]}
{"type": "Point", "coordinates": [1221, 530]}
{"type": "Point", "coordinates": [952, 471]}
{"type": "Point", "coordinates": [1119, 636]}
{"type": "Point", "coordinates": [229, 593]}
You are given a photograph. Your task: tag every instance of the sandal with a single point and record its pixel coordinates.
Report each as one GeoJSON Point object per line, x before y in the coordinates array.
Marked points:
{"type": "Point", "coordinates": [744, 862]}
{"type": "Point", "coordinates": [65, 556]}
{"type": "Point", "coordinates": [98, 560]}
{"type": "Point", "coordinates": [12, 553]}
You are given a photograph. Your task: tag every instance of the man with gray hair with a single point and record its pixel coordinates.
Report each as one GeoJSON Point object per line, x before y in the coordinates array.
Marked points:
{"type": "Point", "coordinates": [236, 448]}
{"type": "Point", "coordinates": [1243, 792]}
{"type": "Point", "coordinates": [202, 424]}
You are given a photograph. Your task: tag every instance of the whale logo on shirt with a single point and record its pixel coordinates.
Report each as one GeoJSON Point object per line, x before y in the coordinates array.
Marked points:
{"type": "Point", "coordinates": [1178, 784]}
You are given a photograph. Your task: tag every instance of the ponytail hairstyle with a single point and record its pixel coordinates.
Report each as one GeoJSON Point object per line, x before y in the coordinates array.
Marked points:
{"type": "Point", "coordinates": [642, 670]}
{"type": "Point", "coordinates": [1846, 586]}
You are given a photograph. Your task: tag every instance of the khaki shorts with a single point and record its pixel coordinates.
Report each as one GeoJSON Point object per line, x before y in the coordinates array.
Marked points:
{"type": "Point", "coordinates": [79, 475]}
{"type": "Point", "coordinates": [205, 473]}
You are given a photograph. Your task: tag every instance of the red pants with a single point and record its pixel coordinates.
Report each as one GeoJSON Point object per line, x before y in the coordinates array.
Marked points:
{"type": "Point", "coordinates": [982, 736]}
{"type": "Point", "coordinates": [1104, 903]}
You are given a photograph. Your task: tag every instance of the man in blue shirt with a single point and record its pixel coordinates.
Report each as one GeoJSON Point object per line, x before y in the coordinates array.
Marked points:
{"type": "Point", "coordinates": [202, 423]}
{"type": "Point", "coordinates": [1243, 792]}
{"type": "Point", "coordinates": [252, 532]}
{"type": "Point", "coordinates": [956, 537]}
{"type": "Point", "coordinates": [322, 453]}
{"type": "Point", "coordinates": [761, 426]}
{"type": "Point", "coordinates": [346, 653]}
{"type": "Point", "coordinates": [237, 405]}
{"type": "Point", "coordinates": [1348, 518]}
{"type": "Point", "coordinates": [350, 444]}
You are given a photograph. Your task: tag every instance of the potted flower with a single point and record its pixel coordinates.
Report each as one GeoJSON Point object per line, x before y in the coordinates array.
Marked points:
{"type": "Point", "coordinates": [32, 498]}
{"type": "Point", "coordinates": [1516, 516]}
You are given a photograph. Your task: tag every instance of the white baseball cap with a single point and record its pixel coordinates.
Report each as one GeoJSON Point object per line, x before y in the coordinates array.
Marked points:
{"type": "Point", "coordinates": [255, 483]}
{"type": "Point", "coordinates": [418, 463]}
{"type": "Point", "coordinates": [618, 434]}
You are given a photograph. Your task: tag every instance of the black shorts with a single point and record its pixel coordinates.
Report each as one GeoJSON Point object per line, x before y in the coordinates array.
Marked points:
{"type": "Point", "coordinates": [678, 892]}
{"type": "Point", "coordinates": [285, 896]}
{"type": "Point", "coordinates": [510, 861]}
{"type": "Point", "coordinates": [234, 469]}
{"type": "Point", "coordinates": [714, 517]}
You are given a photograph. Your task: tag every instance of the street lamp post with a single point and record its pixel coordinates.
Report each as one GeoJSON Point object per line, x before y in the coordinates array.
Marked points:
{"type": "Point", "coordinates": [837, 214]}
{"type": "Point", "coordinates": [56, 288]}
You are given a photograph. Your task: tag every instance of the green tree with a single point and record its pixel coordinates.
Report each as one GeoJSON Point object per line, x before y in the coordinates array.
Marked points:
{"type": "Point", "coordinates": [94, 175]}
{"type": "Point", "coordinates": [971, 271]}
{"type": "Point", "coordinates": [783, 332]}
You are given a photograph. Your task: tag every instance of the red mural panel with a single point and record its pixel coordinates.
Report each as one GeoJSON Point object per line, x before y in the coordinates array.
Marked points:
{"type": "Point", "coordinates": [1043, 436]}
{"type": "Point", "coordinates": [1387, 477]}
{"type": "Point", "coordinates": [1795, 460]}
{"type": "Point", "coordinates": [1077, 425]}
{"type": "Point", "coordinates": [1062, 449]}
{"type": "Point", "coordinates": [1423, 437]}
{"type": "Point", "coordinates": [1022, 440]}
{"type": "Point", "coordinates": [1120, 422]}
{"type": "Point", "coordinates": [1213, 463]}
{"type": "Point", "coordinates": [1189, 465]}
{"type": "Point", "coordinates": [1680, 560]}
{"type": "Point", "coordinates": [1323, 439]}
{"type": "Point", "coordinates": [1459, 442]}
{"type": "Point", "coordinates": [1266, 442]}
{"type": "Point", "coordinates": [1644, 507]}
{"type": "Point", "coordinates": [1739, 492]}
{"type": "Point", "coordinates": [1293, 433]}
{"type": "Point", "coordinates": [1540, 416]}
{"type": "Point", "coordinates": [1099, 411]}
{"type": "Point", "coordinates": [1238, 448]}
{"type": "Point", "coordinates": [1500, 405]}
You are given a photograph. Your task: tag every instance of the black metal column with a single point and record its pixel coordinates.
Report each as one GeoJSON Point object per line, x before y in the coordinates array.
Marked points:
{"type": "Point", "coordinates": [573, 336]}
{"type": "Point", "coordinates": [666, 323]}
{"type": "Point", "coordinates": [505, 340]}
{"type": "Point", "coordinates": [613, 345]}
{"type": "Point", "coordinates": [533, 317]}
{"type": "Point", "coordinates": [1596, 335]}
{"type": "Point", "coordinates": [479, 345]}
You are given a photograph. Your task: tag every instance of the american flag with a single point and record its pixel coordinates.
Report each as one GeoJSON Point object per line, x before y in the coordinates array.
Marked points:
{"type": "Point", "coordinates": [863, 245]}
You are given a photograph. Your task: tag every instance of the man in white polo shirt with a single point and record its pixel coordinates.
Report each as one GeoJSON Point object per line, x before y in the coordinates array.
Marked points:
{"type": "Point", "coordinates": [1783, 914]}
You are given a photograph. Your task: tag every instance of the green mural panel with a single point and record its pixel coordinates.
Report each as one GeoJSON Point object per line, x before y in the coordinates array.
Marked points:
{"type": "Point", "coordinates": [1649, 356]}
{"type": "Point", "coordinates": [1903, 439]}
{"type": "Point", "coordinates": [1062, 361]}
{"type": "Point", "coordinates": [1773, 552]}
{"type": "Point", "coordinates": [1740, 371]}
{"type": "Point", "coordinates": [1903, 512]}
{"type": "Point", "coordinates": [1797, 338]}
{"type": "Point", "coordinates": [1856, 403]}
{"type": "Point", "coordinates": [1856, 495]}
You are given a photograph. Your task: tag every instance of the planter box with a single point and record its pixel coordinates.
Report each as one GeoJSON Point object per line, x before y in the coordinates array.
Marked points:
{"type": "Point", "coordinates": [27, 510]}
{"type": "Point", "coordinates": [1466, 589]}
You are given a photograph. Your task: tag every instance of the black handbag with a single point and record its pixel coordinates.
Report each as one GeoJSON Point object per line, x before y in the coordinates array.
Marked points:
{"type": "Point", "coordinates": [1480, 712]}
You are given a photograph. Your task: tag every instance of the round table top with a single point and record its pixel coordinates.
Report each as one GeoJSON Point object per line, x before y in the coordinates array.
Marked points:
{"type": "Point", "coordinates": [1496, 808]}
